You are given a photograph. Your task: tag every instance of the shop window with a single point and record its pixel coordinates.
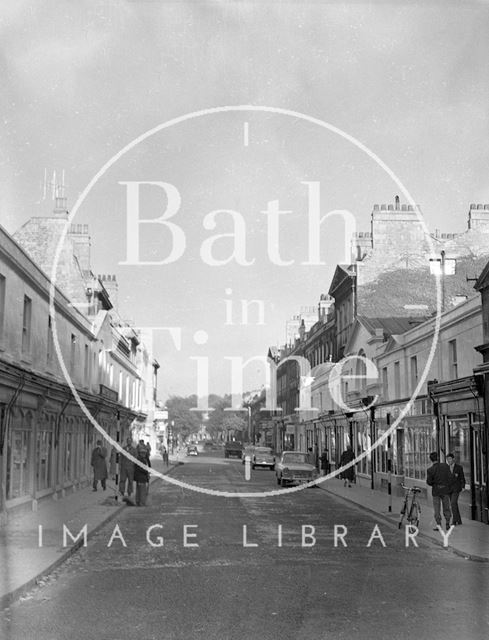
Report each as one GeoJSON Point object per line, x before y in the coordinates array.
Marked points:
{"type": "Point", "coordinates": [44, 453]}
{"type": "Point", "coordinates": [18, 452]}
{"type": "Point", "coordinates": [459, 442]}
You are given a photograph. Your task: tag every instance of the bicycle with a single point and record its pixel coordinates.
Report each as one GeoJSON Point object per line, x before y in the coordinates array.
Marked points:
{"type": "Point", "coordinates": [410, 511]}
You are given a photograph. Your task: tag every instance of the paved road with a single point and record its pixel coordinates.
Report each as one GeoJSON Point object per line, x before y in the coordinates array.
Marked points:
{"type": "Point", "coordinates": [222, 589]}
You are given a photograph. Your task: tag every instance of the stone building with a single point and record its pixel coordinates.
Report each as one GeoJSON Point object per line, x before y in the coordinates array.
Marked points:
{"type": "Point", "coordinates": [386, 305]}
{"type": "Point", "coordinates": [398, 239]}
{"type": "Point", "coordinates": [66, 372]}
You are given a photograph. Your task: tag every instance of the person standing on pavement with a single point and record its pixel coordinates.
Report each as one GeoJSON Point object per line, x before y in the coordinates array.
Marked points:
{"type": "Point", "coordinates": [325, 462]}
{"type": "Point", "coordinates": [164, 454]}
{"type": "Point", "coordinates": [348, 475]}
{"type": "Point", "coordinates": [126, 467]}
{"type": "Point", "coordinates": [310, 456]}
{"type": "Point", "coordinates": [141, 475]}
{"type": "Point", "coordinates": [456, 487]}
{"type": "Point", "coordinates": [439, 478]}
{"type": "Point", "coordinates": [99, 464]}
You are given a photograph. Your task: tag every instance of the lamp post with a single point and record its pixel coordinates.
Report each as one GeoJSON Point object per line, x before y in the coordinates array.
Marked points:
{"type": "Point", "coordinates": [442, 266]}
{"type": "Point", "coordinates": [389, 462]}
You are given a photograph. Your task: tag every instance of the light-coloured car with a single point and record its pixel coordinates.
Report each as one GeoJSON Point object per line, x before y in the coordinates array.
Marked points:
{"type": "Point", "coordinates": [262, 457]}
{"type": "Point", "coordinates": [293, 467]}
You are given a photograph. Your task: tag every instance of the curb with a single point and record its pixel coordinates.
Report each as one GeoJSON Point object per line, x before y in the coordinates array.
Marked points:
{"type": "Point", "coordinates": [462, 554]}
{"type": "Point", "coordinates": [9, 598]}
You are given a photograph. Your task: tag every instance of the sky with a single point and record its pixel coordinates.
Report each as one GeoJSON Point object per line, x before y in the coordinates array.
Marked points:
{"type": "Point", "coordinates": [83, 80]}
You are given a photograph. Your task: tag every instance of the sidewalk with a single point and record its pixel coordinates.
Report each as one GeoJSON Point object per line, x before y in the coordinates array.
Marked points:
{"type": "Point", "coordinates": [471, 540]}
{"type": "Point", "coordinates": [23, 562]}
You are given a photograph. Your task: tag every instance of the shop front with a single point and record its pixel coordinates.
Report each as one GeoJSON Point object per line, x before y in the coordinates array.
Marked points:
{"type": "Point", "coordinates": [459, 411]}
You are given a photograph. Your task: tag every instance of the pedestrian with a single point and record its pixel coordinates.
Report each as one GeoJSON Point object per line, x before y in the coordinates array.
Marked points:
{"type": "Point", "coordinates": [310, 456]}
{"type": "Point", "coordinates": [113, 463]}
{"type": "Point", "coordinates": [438, 477]}
{"type": "Point", "coordinates": [164, 454]}
{"type": "Point", "coordinates": [348, 475]}
{"type": "Point", "coordinates": [141, 475]}
{"type": "Point", "coordinates": [456, 487]}
{"type": "Point", "coordinates": [148, 447]}
{"type": "Point", "coordinates": [126, 467]}
{"type": "Point", "coordinates": [99, 464]}
{"type": "Point", "coordinates": [325, 462]}
{"type": "Point", "coordinates": [142, 448]}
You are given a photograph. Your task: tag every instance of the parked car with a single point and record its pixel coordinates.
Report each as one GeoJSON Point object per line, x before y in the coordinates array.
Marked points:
{"type": "Point", "coordinates": [293, 467]}
{"type": "Point", "coordinates": [262, 457]}
{"type": "Point", "coordinates": [192, 450]}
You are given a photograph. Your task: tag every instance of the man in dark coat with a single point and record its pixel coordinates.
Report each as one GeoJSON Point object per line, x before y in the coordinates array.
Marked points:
{"type": "Point", "coordinates": [325, 462]}
{"type": "Point", "coordinates": [439, 478]}
{"type": "Point", "coordinates": [99, 464]}
{"type": "Point", "coordinates": [348, 475]}
{"type": "Point", "coordinates": [141, 476]}
{"type": "Point", "coordinates": [456, 487]}
{"type": "Point", "coordinates": [126, 467]}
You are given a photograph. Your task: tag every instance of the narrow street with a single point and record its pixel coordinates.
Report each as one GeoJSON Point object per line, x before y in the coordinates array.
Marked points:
{"type": "Point", "coordinates": [224, 589]}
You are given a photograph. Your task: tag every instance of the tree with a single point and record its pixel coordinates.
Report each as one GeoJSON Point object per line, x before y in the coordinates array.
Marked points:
{"type": "Point", "coordinates": [184, 422]}
{"type": "Point", "coordinates": [216, 417]}
{"type": "Point", "coordinates": [234, 426]}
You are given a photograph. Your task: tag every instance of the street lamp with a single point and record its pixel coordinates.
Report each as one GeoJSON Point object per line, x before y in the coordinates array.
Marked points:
{"type": "Point", "coordinates": [442, 267]}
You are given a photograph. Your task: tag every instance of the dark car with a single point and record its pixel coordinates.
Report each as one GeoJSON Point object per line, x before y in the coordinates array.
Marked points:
{"type": "Point", "coordinates": [233, 449]}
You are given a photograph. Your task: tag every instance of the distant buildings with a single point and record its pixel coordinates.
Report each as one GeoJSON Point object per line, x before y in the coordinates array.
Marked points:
{"type": "Point", "coordinates": [46, 433]}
